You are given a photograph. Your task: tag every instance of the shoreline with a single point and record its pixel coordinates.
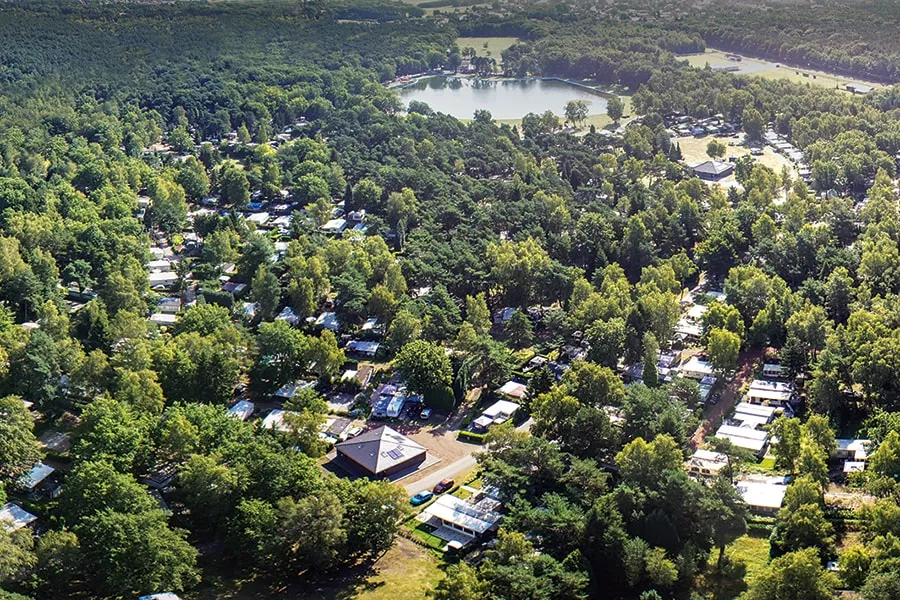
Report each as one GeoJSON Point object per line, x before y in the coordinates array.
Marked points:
{"type": "Point", "coordinates": [397, 85]}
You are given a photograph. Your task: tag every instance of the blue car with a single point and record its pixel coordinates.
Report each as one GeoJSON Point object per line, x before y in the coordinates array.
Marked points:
{"type": "Point", "coordinates": [421, 498]}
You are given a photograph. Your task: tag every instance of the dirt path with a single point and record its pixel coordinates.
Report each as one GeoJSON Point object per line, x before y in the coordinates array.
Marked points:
{"type": "Point", "coordinates": [728, 398]}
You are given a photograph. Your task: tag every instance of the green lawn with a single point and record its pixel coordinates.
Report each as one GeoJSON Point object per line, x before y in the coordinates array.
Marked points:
{"type": "Point", "coordinates": [423, 532]}
{"type": "Point", "coordinates": [405, 572]}
{"type": "Point", "coordinates": [494, 49]}
{"type": "Point", "coordinates": [771, 71]}
{"type": "Point", "coordinates": [747, 555]}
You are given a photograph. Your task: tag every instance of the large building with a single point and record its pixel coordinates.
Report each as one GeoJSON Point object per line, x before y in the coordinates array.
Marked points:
{"type": "Point", "coordinates": [382, 452]}
{"type": "Point", "coordinates": [713, 170]}
{"type": "Point", "coordinates": [473, 518]}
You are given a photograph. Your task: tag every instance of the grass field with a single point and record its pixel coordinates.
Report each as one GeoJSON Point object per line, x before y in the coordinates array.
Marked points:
{"type": "Point", "coordinates": [769, 70]}
{"type": "Point", "coordinates": [495, 45]}
{"type": "Point", "coordinates": [748, 555]}
{"type": "Point", "coordinates": [405, 572]}
{"type": "Point", "coordinates": [693, 151]}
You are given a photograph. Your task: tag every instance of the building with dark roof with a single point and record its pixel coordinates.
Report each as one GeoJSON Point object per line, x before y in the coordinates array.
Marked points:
{"type": "Point", "coordinates": [713, 170]}
{"type": "Point", "coordinates": [381, 452]}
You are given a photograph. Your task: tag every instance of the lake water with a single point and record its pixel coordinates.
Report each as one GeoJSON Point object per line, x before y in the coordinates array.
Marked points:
{"type": "Point", "coordinates": [505, 99]}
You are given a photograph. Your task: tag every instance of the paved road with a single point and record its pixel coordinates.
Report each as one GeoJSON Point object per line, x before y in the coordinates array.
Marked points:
{"type": "Point", "coordinates": [455, 468]}
{"type": "Point", "coordinates": [449, 472]}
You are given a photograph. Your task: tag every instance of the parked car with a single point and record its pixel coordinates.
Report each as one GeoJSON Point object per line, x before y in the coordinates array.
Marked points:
{"type": "Point", "coordinates": [425, 414]}
{"type": "Point", "coordinates": [443, 486]}
{"type": "Point", "coordinates": [421, 498]}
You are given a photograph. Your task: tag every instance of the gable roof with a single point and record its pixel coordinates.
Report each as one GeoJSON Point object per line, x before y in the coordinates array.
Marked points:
{"type": "Point", "coordinates": [380, 449]}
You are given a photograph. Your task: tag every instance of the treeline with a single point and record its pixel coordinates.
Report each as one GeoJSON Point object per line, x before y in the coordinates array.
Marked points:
{"type": "Point", "coordinates": [858, 40]}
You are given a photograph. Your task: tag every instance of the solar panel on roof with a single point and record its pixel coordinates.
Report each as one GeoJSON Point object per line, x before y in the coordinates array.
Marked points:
{"type": "Point", "coordinates": [395, 453]}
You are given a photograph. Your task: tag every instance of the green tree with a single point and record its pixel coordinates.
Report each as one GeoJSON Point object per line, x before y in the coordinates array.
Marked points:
{"type": "Point", "coordinates": [313, 530]}
{"type": "Point", "coordinates": [723, 348]}
{"type": "Point", "coordinates": [715, 149]}
{"type": "Point", "coordinates": [854, 564]}
{"type": "Point", "coordinates": [753, 124]}
{"type": "Point", "coordinates": [576, 111]}
{"type": "Point", "coordinates": [110, 431]}
{"type": "Point", "coordinates": [233, 185]}
{"type": "Point", "coordinates": [607, 339]}
{"type": "Point", "coordinates": [425, 366]}
{"type": "Point", "coordinates": [478, 314]}
{"type": "Point", "coordinates": [96, 486]}
{"type": "Point", "coordinates": [615, 108]}
{"type": "Point", "coordinates": [649, 358]}
{"type": "Point", "coordinates": [461, 583]}
{"type": "Point", "coordinates": [787, 448]}
{"type": "Point", "coordinates": [209, 488]}
{"type": "Point", "coordinates": [19, 450]}
{"type": "Point", "coordinates": [519, 330]}
{"type": "Point", "coordinates": [794, 576]}
{"type": "Point", "coordinates": [885, 461]}
{"type": "Point", "coordinates": [58, 562]}
{"type": "Point", "coordinates": [405, 328]}
{"type": "Point", "coordinates": [135, 553]}
{"type": "Point", "coordinates": [266, 292]}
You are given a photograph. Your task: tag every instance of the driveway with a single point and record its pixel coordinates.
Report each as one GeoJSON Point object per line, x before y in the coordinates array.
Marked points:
{"type": "Point", "coordinates": [729, 397]}
{"type": "Point", "coordinates": [456, 468]}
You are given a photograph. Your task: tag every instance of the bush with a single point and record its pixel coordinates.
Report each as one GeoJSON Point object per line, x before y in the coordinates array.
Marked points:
{"type": "Point", "coordinates": [471, 437]}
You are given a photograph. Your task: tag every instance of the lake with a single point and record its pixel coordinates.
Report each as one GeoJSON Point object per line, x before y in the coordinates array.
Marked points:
{"type": "Point", "coordinates": [505, 98]}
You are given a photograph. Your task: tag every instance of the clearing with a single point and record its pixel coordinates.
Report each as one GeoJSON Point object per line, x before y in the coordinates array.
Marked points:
{"type": "Point", "coordinates": [748, 555]}
{"type": "Point", "coordinates": [693, 152]}
{"type": "Point", "coordinates": [405, 572]}
{"type": "Point", "coordinates": [758, 67]}
{"type": "Point", "coordinates": [487, 46]}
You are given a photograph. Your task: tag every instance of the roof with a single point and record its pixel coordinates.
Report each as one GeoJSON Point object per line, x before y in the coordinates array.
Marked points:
{"type": "Point", "coordinates": [769, 394]}
{"type": "Point", "coordinates": [852, 466]}
{"type": "Point", "coordinates": [748, 438]}
{"type": "Point", "coordinates": [695, 365]}
{"type": "Point", "coordinates": [363, 347]}
{"type": "Point", "coordinates": [15, 517]}
{"type": "Point", "coordinates": [500, 407]}
{"type": "Point", "coordinates": [335, 225]}
{"type": "Point", "coordinates": [513, 389]}
{"type": "Point", "coordinates": [242, 410]}
{"type": "Point", "coordinates": [776, 386]}
{"type": "Point", "coordinates": [35, 476]}
{"type": "Point", "coordinates": [275, 420]}
{"type": "Point", "coordinates": [328, 320]}
{"type": "Point", "coordinates": [696, 312]}
{"type": "Point", "coordinates": [707, 459]}
{"type": "Point", "coordinates": [762, 494]}
{"type": "Point", "coordinates": [715, 168]}
{"type": "Point", "coordinates": [162, 277]}
{"type": "Point", "coordinates": [163, 318]}
{"type": "Point", "coordinates": [859, 448]}
{"type": "Point", "coordinates": [380, 449]}
{"type": "Point", "coordinates": [756, 410]}
{"type": "Point", "coordinates": [288, 390]}
{"type": "Point", "coordinates": [476, 517]}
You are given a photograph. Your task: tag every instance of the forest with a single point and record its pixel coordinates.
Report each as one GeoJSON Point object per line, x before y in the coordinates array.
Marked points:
{"type": "Point", "coordinates": [136, 132]}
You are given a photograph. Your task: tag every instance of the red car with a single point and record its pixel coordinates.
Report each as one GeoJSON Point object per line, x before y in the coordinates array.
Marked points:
{"type": "Point", "coordinates": [443, 486]}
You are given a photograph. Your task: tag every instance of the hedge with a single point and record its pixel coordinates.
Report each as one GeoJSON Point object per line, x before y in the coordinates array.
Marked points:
{"type": "Point", "coordinates": [469, 436]}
